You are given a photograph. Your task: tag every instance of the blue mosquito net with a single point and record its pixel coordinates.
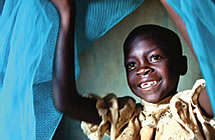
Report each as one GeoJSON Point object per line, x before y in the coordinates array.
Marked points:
{"type": "Point", "coordinates": [28, 33]}
{"type": "Point", "coordinates": [199, 18]}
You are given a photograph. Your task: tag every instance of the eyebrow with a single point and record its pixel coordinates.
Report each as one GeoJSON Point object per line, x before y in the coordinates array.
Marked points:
{"type": "Point", "coordinates": [147, 52]}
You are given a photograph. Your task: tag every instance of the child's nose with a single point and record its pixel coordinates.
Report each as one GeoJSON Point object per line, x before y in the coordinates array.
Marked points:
{"type": "Point", "coordinates": [144, 71]}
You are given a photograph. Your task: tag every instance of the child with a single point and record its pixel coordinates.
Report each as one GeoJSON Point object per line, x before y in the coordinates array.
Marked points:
{"type": "Point", "coordinates": [154, 63]}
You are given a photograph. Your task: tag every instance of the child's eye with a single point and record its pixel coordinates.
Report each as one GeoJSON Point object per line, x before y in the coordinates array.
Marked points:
{"type": "Point", "coordinates": [131, 65]}
{"type": "Point", "coordinates": [155, 58]}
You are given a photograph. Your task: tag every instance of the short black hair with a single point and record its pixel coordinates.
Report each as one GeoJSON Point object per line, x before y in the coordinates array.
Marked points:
{"type": "Point", "coordinates": [161, 35]}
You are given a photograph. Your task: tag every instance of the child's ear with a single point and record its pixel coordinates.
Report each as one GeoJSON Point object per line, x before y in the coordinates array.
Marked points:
{"type": "Point", "coordinates": [182, 66]}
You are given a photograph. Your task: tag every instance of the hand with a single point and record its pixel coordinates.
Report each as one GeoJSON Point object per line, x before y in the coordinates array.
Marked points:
{"type": "Point", "coordinates": [64, 6]}
{"type": "Point", "coordinates": [66, 9]}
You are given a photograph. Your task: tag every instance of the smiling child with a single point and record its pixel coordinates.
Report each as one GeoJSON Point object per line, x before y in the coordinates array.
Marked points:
{"type": "Point", "coordinates": [153, 62]}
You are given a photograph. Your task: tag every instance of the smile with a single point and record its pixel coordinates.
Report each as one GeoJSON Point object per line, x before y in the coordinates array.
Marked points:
{"type": "Point", "coordinates": [148, 85]}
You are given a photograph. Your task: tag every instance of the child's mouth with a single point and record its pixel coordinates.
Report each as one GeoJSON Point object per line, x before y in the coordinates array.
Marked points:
{"type": "Point", "coordinates": [148, 85]}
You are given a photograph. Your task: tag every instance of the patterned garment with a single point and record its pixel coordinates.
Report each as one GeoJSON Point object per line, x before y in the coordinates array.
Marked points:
{"type": "Point", "coordinates": [176, 117]}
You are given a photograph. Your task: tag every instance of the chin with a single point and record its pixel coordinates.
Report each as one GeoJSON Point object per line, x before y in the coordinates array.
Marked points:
{"type": "Point", "coordinates": [152, 100]}
{"type": "Point", "coordinates": [149, 98]}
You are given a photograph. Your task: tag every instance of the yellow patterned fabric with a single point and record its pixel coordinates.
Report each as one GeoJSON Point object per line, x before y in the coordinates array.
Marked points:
{"type": "Point", "coordinates": [177, 117]}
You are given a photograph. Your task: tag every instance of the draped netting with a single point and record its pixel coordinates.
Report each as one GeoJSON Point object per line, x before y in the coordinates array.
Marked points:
{"type": "Point", "coordinates": [199, 18]}
{"type": "Point", "coordinates": [28, 33]}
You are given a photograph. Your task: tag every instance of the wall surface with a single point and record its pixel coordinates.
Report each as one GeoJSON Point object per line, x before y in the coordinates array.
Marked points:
{"type": "Point", "coordinates": [102, 69]}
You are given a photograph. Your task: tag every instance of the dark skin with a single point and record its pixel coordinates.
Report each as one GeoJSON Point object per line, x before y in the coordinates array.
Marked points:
{"type": "Point", "coordinates": [66, 97]}
{"type": "Point", "coordinates": [204, 100]}
{"type": "Point", "coordinates": [65, 94]}
{"type": "Point", "coordinates": [152, 74]}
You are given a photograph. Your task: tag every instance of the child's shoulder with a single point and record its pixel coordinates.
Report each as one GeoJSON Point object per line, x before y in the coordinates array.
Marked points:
{"type": "Point", "coordinates": [190, 95]}
{"type": "Point", "coordinates": [185, 103]}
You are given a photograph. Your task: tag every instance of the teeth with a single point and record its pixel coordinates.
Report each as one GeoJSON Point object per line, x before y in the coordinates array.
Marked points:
{"type": "Point", "coordinates": [148, 84]}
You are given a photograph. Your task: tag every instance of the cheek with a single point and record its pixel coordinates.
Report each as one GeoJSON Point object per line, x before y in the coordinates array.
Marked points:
{"type": "Point", "coordinates": [166, 71]}
{"type": "Point", "coordinates": [170, 78]}
{"type": "Point", "coordinates": [131, 80]}
{"type": "Point", "coordinates": [166, 74]}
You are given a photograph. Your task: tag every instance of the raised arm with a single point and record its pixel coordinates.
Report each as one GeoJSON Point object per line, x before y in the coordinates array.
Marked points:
{"type": "Point", "coordinates": [204, 100]}
{"type": "Point", "coordinates": [66, 97]}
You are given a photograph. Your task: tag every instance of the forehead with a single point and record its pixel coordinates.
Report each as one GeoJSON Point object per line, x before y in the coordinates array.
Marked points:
{"type": "Point", "coordinates": [142, 44]}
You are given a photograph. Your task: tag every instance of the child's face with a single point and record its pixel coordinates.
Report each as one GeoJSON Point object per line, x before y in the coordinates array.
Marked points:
{"type": "Point", "coordinates": [150, 71]}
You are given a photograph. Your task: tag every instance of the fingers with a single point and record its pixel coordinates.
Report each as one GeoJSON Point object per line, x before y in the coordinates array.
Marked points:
{"type": "Point", "coordinates": [64, 6]}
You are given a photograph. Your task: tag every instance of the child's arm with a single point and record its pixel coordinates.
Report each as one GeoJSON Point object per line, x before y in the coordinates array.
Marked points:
{"type": "Point", "coordinates": [204, 100]}
{"type": "Point", "coordinates": [66, 97]}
